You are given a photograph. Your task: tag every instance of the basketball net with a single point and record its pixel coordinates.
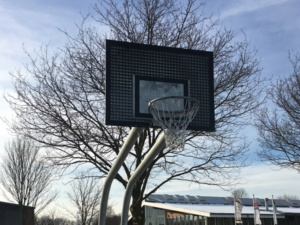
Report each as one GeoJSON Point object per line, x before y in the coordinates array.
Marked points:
{"type": "Point", "coordinates": [173, 115]}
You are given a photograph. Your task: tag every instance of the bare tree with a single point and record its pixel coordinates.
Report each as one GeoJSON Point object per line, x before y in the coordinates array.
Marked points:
{"type": "Point", "coordinates": [278, 125]}
{"type": "Point", "coordinates": [51, 218]}
{"type": "Point", "coordinates": [47, 220]}
{"type": "Point", "coordinates": [288, 196]}
{"type": "Point", "coordinates": [25, 177]}
{"type": "Point", "coordinates": [62, 105]}
{"type": "Point", "coordinates": [111, 217]}
{"type": "Point", "coordinates": [240, 193]}
{"type": "Point", "coordinates": [85, 195]}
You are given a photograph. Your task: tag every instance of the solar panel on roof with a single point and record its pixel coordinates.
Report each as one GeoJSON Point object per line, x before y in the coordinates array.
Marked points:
{"type": "Point", "coordinates": [190, 198]}
{"type": "Point", "coordinates": [179, 197]}
{"type": "Point", "coordinates": [158, 197]}
{"type": "Point", "coordinates": [281, 203]}
{"type": "Point", "coordinates": [152, 199]}
{"type": "Point", "coordinates": [211, 200]}
{"type": "Point", "coordinates": [247, 201]}
{"type": "Point", "coordinates": [229, 200]}
{"type": "Point", "coordinates": [201, 199]}
{"type": "Point", "coordinates": [169, 197]}
{"type": "Point", "coordinates": [155, 196]}
{"type": "Point", "coordinates": [294, 203]}
{"type": "Point", "coordinates": [218, 200]}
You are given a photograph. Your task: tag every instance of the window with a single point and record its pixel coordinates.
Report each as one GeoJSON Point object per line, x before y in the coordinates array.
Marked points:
{"type": "Point", "coordinates": [178, 219]}
{"type": "Point", "coordinates": [251, 221]}
{"type": "Point", "coordinates": [151, 222]}
{"type": "Point", "coordinates": [161, 222]}
{"type": "Point", "coordinates": [161, 217]}
{"type": "Point", "coordinates": [245, 221]}
{"type": "Point", "coordinates": [182, 220]}
{"type": "Point", "coordinates": [204, 219]}
{"type": "Point", "coordinates": [169, 221]}
{"type": "Point", "coordinates": [187, 220]}
{"type": "Point", "coordinates": [212, 221]}
{"type": "Point", "coordinates": [200, 222]}
{"type": "Point", "coordinates": [228, 221]}
{"type": "Point", "coordinates": [266, 221]}
{"type": "Point", "coordinates": [155, 216]}
{"type": "Point", "coordinates": [191, 220]}
{"type": "Point", "coordinates": [195, 220]}
{"type": "Point", "coordinates": [175, 218]}
{"type": "Point", "coordinates": [220, 221]}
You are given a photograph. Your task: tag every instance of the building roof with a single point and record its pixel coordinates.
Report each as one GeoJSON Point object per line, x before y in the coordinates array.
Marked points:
{"type": "Point", "coordinates": [197, 199]}
{"type": "Point", "coordinates": [215, 210]}
{"type": "Point", "coordinates": [210, 206]}
{"type": "Point", "coordinates": [13, 204]}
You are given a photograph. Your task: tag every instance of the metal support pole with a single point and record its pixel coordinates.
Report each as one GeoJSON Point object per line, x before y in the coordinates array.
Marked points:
{"type": "Point", "coordinates": [234, 210]}
{"type": "Point", "coordinates": [156, 148]}
{"type": "Point", "coordinates": [127, 146]}
{"type": "Point", "coordinates": [253, 212]}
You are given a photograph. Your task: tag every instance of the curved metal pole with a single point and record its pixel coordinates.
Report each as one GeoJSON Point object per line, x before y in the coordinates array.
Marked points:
{"type": "Point", "coordinates": [156, 148]}
{"type": "Point", "coordinates": [127, 146]}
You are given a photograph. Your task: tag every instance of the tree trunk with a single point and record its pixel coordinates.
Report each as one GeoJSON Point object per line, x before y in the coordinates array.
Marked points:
{"type": "Point", "coordinates": [22, 213]}
{"type": "Point", "coordinates": [136, 209]}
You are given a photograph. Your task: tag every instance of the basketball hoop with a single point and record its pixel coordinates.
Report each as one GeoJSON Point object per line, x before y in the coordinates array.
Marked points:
{"type": "Point", "coordinates": [174, 114]}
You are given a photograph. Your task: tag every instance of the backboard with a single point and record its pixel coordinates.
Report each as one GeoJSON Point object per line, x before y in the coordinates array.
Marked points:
{"type": "Point", "coordinates": [138, 73]}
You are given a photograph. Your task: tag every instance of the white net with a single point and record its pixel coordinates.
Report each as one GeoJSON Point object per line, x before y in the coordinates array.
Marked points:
{"type": "Point", "coordinates": [174, 114]}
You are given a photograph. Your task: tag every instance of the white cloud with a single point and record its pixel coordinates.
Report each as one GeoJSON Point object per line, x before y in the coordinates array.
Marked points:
{"type": "Point", "coordinates": [260, 180]}
{"type": "Point", "coordinates": [244, 6]}
{"type": "Point", "coordinates": [264, 181]}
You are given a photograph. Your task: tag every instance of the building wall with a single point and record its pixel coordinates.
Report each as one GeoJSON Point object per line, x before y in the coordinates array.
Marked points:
{"type": "Point", "coordinates": [155, 216]}
{"type": "Point", "coordinates": [289, 220]}
{"type": "Point", "coordinates": [246, 221]}
{"type": "Point", "coordinates": [10, 214]}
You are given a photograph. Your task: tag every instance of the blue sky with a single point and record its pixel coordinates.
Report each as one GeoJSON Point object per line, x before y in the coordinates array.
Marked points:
{"type": "Point", "coordinates": [272, 26]}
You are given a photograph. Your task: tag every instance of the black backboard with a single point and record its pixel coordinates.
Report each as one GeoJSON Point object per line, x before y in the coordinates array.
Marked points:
{"type": "Point", "coordinates": [138, 73]}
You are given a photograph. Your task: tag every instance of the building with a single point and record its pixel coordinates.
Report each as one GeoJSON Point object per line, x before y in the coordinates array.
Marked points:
{"type": "Point", "coordinates": [10, 214]}
{"type": "Point", "coordinates": [204, 210]}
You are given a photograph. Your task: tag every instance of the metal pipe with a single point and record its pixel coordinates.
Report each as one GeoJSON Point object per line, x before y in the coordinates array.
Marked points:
{"type": "Point", "coordinates": [266, 204]}
{"type": "Point", "coordinates": [156, 148]}
{"type": "Point", "coordinates": [127, 146]}
{"type": "Point", "coordinates": [253, 212]}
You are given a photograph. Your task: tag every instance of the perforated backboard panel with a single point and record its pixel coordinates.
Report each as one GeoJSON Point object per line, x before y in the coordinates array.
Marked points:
{"type": "Point", "coordinates": [137, 74]}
